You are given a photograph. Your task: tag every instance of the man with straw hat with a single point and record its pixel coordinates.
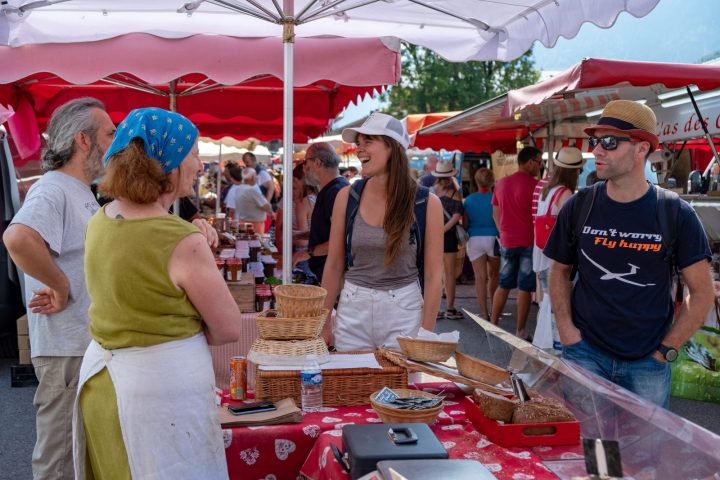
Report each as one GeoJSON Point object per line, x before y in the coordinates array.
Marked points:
{"type": "Point", "coordinates": [617, 320]}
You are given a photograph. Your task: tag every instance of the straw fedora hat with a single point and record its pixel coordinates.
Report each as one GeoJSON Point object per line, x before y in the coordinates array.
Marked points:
{"type": "Point", "coordinates": [445, 168]}
{"type": "Point", "coordinates": [628, 118]}
{"type": "Point", "coordinates": [569, 157]}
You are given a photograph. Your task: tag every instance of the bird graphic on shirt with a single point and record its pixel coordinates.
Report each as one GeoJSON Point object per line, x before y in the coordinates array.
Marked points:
{"type": "Point", "coordinates": [617, 276]}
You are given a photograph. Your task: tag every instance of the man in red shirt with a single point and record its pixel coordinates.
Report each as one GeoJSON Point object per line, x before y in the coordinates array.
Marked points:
{"type": "Point", "coordinates": [512, 211]}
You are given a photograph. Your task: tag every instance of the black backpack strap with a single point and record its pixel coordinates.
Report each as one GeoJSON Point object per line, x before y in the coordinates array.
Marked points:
{"type": "Point", "coordinates": [668, 206]}
{"type": "Point", "coordinates": [582, 206]}
{"type": "Point", "coordinates": [417, 230]}
{"type": "Point", "coordinates": [353, 205]}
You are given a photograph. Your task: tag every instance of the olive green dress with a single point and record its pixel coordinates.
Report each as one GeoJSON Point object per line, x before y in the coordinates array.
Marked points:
{"type": "Point", "coordinates": [134, 303]}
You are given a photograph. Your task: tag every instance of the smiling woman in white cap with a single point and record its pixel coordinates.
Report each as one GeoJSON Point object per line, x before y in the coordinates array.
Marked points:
{"type": "Point", "coordinates": [378, 254]}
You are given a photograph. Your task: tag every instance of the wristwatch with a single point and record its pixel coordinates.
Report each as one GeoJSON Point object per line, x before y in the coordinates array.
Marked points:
{"type": "Point", "coordinates": [669, 353]}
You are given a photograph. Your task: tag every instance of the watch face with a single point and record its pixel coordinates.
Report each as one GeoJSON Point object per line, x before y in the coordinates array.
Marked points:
{"type": "Point", "coordinates": [671, 355]}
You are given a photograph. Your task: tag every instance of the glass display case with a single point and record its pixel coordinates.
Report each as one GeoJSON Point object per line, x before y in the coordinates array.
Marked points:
{"type": "Point", "coordinates": [654, 442]}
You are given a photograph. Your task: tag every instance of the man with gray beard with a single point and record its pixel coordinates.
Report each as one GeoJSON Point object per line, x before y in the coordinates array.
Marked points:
{"type": "Point", "coordinates": [321, 171]}
{"type": "Point", "coordinates": [46, 241]}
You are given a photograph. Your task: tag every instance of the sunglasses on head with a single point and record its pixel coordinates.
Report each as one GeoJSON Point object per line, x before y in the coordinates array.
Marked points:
{"type": "Point", "coordinates": [608, 142]}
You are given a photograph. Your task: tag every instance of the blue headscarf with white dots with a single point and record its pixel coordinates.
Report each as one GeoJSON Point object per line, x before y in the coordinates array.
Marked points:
{"type": "Point", "coordinates": [168, 136]}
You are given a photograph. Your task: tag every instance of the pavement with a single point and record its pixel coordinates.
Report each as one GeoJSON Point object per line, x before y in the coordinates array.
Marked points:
{"type": "Point", "coordinates": [17, 415]}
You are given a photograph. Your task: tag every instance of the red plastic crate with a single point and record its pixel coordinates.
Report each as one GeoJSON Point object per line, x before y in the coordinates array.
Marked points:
{"type": "Point", "coordinates": [515, 435]}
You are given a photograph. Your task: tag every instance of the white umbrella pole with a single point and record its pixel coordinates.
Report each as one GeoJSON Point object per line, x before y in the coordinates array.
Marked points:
{"type": "Point", "coordinates": [173, 108]}
{"type": "Point", "coordinates": [218, 189]}
{"type": "Point", "coordinates": [288, 43]}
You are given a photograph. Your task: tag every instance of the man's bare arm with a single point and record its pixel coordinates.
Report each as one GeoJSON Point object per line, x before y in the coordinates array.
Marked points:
{"type": "Point", "coordinates": [691, 314]}
{"type": "Point", "coordinates": [32, 255]}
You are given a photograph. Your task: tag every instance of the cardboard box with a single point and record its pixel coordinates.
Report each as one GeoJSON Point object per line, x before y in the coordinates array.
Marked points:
{"type": "Point", "coordinates": [24, 357]}
{"type": "Point", "coordinates": [22, 326]}
{"type": "Point", "coordinates": [23, 342]}
{"type": "Point", "coordinates": [244, 292]}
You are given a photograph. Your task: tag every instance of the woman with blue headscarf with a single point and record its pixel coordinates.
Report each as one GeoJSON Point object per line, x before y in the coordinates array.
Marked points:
{"type": "Point", "coordinates": [145, 405]}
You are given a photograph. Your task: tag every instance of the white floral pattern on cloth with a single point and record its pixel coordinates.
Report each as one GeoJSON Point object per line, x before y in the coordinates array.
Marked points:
{"type": "Point", "coordinates": [522, 476]}
{"type": "Point", "coordinates": [283, 448]}
{"type": "Point", "coordinates": [493, 467]}
{"type": "Point", "coordinates": [339, 426]}
{"type": "Point", "coordinates": [373, 420]}
{"type": "Point", "coordinates": [324, 457]}
{"type": "Point", "coordinates": [482, 443]}
{"type": "Point", "coordinates": [331, 420]}
{"type": "Point", "coordinates": [312, 431]}
{"type": "Point", "coordinates": [269, 477]}
{"type": "Point", "coordinates": [448, 445]}
{"type": "Point", "coordinates": [227, 437]}
{"type": "Point", "coordinates": [449, 403]}
{"type": "Point", "coordinates": [333, 433]}
{"type": "Point", "coordinates": [472, 455]}
{"type": "Point", "coordinates": [457, 412]}
{"type": "Point", "coordinates": [353, 414]}
{"type": "Point", "coordinates": [451, 427]}
{"type": "Point", "coordinates": [250, 455]}
{"type": "Point", "coordinates": [525, 455]}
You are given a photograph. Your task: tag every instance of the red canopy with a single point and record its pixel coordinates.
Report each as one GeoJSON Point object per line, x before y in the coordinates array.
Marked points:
{"type": "Point", "coordinates": [227, 86]}
{"type": "Point", "coordinates": [567, 99]}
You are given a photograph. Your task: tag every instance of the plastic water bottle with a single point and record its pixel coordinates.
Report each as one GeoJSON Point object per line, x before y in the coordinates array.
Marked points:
{"type": "Point", "coordinates": [311, 386]}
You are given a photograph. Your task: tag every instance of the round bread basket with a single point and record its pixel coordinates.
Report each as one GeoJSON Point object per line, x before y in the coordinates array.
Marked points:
{"type": "Point", "coordinates": [396, 415]}
{"type": "Point", "coordinates": [271, 326]}
{"type": "Point", "coordinates": [479, 370]}
{"type": "Point", "coordinates": [288, 352]}
{"type": "Point", "coordinates": [299, 301]}
{"type": "Point", "coordinates": [426, 350]}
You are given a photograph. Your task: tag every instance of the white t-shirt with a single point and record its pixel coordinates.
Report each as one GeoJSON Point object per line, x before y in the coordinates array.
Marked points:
{"type": "Point", "coordinates": [248, 204]}
{"type": "Point", "coordinates": [59, 207]}
{"type": "Point", "coordinates": [230, 196]}
{"type": "Point", "coordinates": [262, 178]}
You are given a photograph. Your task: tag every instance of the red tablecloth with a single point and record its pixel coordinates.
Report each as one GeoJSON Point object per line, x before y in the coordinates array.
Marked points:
{"type": "Point", "coordinates": [280, 452]}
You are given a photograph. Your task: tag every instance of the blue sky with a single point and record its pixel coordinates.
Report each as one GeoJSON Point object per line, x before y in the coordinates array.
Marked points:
{"type": "Point", "coordinates": [681, 31]}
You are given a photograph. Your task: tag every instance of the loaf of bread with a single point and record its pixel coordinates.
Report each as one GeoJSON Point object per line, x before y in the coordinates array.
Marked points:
{"type": "Point", "coordinates": [542, 411]}
{"type": "Point", "coordinates": [494, 406]}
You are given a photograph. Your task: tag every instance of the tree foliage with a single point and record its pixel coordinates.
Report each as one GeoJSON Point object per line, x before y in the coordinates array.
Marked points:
{"type": "Point", "coordinates": [430, 83]}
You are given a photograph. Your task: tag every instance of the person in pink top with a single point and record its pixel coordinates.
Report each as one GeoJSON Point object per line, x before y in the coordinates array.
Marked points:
{"type": "Point", "coordinates": [512, 211]}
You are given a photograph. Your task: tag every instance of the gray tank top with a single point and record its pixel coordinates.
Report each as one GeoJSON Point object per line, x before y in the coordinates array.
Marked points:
{"type": "Point", "coordinates": [369, 269]}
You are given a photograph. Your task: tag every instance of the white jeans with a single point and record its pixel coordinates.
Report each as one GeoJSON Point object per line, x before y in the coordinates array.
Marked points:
{"type": "Point", "coordinates": [367, 318]}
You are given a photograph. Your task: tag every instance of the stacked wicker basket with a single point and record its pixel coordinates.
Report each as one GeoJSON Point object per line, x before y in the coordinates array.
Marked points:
{"type": "Point", "coordinates": [291, 334]}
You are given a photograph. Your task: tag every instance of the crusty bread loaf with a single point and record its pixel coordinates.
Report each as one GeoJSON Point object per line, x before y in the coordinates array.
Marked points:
{"type": "Point", "coordinates": [542, 411]}
{"type": "Point", "coordinates": [494, 406]}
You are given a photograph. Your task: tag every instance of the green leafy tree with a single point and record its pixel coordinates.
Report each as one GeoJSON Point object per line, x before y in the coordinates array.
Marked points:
{"type": "Point", "coordinates": [430, 83]}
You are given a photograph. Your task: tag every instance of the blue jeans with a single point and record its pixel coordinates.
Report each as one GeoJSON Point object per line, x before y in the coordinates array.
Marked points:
{"type": "Point", "coordinates": [646, 377]}
{"type": "Point", "coordinates": [516, 268]}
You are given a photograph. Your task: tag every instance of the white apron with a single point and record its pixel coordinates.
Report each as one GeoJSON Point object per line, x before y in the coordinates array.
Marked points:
{"type": "Point", "coordinates": [166, 407]}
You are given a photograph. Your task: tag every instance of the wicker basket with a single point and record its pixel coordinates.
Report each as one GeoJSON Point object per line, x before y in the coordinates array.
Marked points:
{"type": "Point", "coordinates": [396, 415]}
{"type": "Point", "coordinates": [272, 327]}
{"type": "Point", "coordinates": [288, 352]}
{"type": "Point", "coordinates": [299, 301]}
{"type": "Point", "coordinates": [477, 369]}
{"type": "Point", "coordinates": [341, 387]}
{"type": "Point", "coordinates": [426, 350]}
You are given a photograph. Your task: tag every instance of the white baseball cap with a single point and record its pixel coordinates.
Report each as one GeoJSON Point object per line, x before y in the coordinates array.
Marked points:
{"type": "Point", "coordinates": [379, 124]}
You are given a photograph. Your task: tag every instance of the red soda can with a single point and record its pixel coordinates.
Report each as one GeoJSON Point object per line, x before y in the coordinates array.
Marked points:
{"type": "Point", "coordinates": [238, 378]}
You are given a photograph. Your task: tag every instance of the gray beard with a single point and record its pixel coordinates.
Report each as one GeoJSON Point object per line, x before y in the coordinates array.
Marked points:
{"type": "Point", "coordinates": [93, 167]}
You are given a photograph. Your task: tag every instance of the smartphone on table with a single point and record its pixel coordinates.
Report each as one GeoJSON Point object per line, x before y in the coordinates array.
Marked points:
{"type": "Point", "coordinates": [254, 407]}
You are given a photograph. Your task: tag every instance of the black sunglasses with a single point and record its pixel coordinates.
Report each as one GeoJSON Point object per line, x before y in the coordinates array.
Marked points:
{"type": "Point", "coordinates": [607, 142]}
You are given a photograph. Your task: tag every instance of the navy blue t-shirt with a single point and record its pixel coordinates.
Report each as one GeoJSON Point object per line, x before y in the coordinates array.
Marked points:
{"type": "Point", "coordinates": [622, 301]}
{"type": "Point", "coordinates": [320, 221]}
